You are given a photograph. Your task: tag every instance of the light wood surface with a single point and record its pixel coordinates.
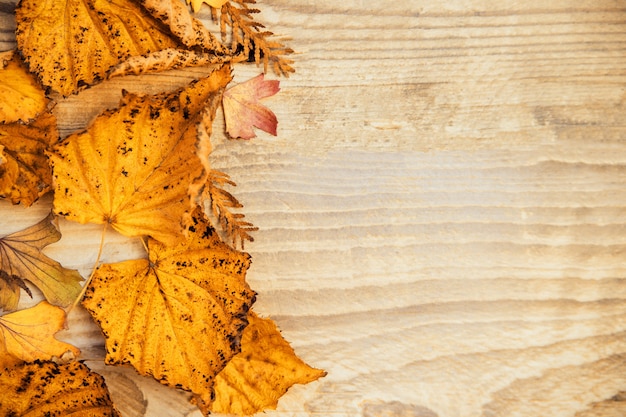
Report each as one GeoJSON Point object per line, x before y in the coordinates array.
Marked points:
{"type": "Point", "coordinates": [442, 215]}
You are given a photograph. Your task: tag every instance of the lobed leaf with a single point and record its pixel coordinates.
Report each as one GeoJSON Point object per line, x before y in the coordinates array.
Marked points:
{"type": "Point", "coordinates": [242, 109]}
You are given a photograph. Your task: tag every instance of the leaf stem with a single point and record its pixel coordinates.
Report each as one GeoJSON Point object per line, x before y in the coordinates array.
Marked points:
{"type": "Point", "coordinates": [93, 271]}
{"type": "Point", "coordinates": [145, 246]}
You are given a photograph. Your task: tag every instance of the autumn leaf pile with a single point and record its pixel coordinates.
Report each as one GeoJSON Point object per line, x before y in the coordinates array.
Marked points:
{"type": "Point", "coordinates": [182, 314]}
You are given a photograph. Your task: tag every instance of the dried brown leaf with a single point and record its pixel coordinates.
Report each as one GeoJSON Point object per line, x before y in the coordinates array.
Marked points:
{"type": "Point", "coordinates": [191, 32]}
{"type": "Point", "coordinates": [250, 41]}
{"type": "Point", "coordinates": [164, 60]}
{"type": "Point", "coordinates": [22, 259]}
{"type": "Point", "coordinates": [25, 174]}
{"type": "Point", "coordinates": [222, 202]}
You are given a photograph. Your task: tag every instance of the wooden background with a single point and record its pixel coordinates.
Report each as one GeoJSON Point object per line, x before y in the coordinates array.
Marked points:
{"type": "Point", "coordinates": [442, 215]}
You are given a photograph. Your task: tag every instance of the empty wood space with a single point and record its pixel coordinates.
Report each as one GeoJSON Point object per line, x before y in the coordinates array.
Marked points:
{"type": "Point", "coordinates": [442, 215]}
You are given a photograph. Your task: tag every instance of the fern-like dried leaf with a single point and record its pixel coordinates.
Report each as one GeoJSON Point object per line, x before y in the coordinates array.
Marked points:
{"type": "Point", "coordinates": [248, 39]}
{"type": "Point", "coordinates": [222, 202]}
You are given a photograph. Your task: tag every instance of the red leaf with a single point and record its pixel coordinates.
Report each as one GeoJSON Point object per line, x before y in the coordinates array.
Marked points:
{"type": "Point", "coordinates": [242, 109]}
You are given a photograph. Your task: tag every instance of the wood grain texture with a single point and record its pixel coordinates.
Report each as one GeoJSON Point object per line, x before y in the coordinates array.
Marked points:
{"type": "Point", "coordinates": [441, 217]}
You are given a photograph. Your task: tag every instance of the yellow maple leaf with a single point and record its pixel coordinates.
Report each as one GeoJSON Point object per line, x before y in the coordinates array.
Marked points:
{"type": "Point", "coordinates": [25, 173]}
{"type": "Point", "coordinates": [197, 4]}
{"type": "Point", "coordinates": [28, 334]}
{"type": "Point", "coordinates": [44, 388]}
{"type": "Point", "coordinates": [70, 44]}
{"type": "Point", "coordinates": [21, 258]}
{"type": "Point", "coordinates": [133, 167]}
{"type": "Point", "coordinates": [261, 373]}
{"type": "Point", "coordinates": [21, 97]}
{"type": "Point", "coordinates": [178, 315]}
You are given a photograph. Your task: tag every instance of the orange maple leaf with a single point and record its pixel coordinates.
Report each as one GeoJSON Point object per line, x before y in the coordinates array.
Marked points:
{"type": "Point", "coordinates": [44, 388]}
{"type": "Point", "coordinates": [261, 373]}
{"type": "Point", "coordinates": [242, 109]}
{"type": "Point", "coordinates": [28, 334]}
{"type": "Point", "coordinates": [134, 166]}
{"type": "Point", "coordinates": [21, 258]}
{"type": "Point", "coordinates": [178, 315]}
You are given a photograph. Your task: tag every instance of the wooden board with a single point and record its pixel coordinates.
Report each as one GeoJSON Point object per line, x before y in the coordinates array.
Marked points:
{"type": "Point", "coordinates": [442, 215]}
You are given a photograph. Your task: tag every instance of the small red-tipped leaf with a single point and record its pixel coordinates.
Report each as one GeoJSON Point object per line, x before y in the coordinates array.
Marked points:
{"type": "Point", "coordinates": [243, 111]}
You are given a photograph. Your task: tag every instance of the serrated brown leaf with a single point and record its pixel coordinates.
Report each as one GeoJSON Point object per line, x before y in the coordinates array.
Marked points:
{"type": "Point", "coordinates": [21, 97]}
{"type": "Point", "coordinates": [233, 224]}
{"type": "Point", "coordinates": [178, 315]}
{"type": "Point", "coordinates": [25, 173]}
{"type": "Point", "coordinates": [28, 334]}
{"type": "Point", "coordinates": [261, 373]}
{"type": "Point", "coordinates": [249, 40]}
{"type": "Point", "coordinates": [44, 388]}
{"type": "Point", "coordinates": [134, 166]}
{"type": "Point", "coordinates": [243, 111]}
{"type": "Point", "coordinates": [22, 259]}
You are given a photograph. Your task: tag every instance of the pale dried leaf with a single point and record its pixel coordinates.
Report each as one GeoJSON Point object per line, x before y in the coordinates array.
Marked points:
{"type": "Point", "coordinates": [21, 258]}
{"type": "Point", "coordinates": [191, 32]}
{"type": "Point", "coordinates": [27, 335]}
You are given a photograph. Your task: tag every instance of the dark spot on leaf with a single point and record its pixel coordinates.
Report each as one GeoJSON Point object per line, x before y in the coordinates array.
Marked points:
{"type": "Point", "coordinates": [154, 113]}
